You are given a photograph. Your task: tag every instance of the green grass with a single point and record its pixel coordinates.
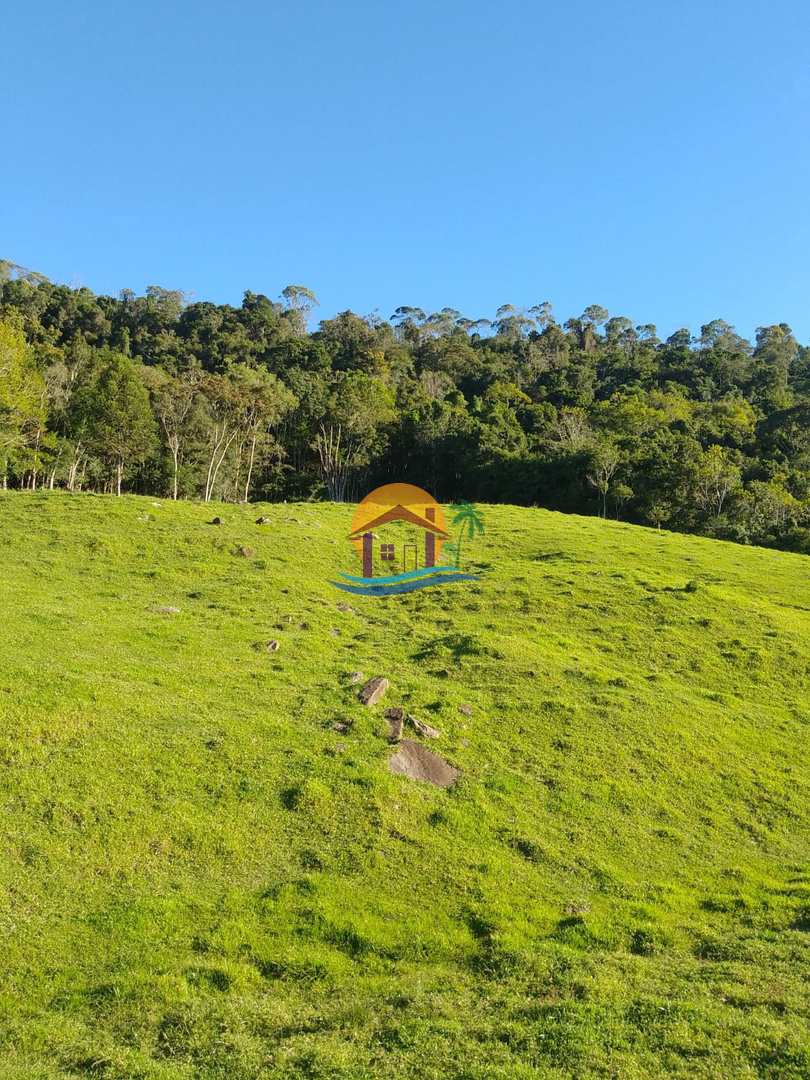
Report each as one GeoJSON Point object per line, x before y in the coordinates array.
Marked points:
{"type": "Point", "coordinates": [200, 878]}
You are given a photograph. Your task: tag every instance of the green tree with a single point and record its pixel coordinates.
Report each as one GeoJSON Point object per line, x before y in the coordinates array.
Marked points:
{"type": "Point", "coordinates": [604, 461]}
{"type": "Point", "coordinates": [262, 402]}
{"type": "Point", "coordinates": [715, 476]}
{"type": "Point", "coordinates": [512, 323]}
{"type": "Point", "coordinates": [175, 400]}
{"type": "Point", "coordinates": [775, 356]}
{"type": "Point", "coordinates": [299, 301]}
{"type": "Point", "coordinates": [222, 410]}
{"type": "Point", "coordinates": [114, 406]}
{"type": "Point", "coordinates": [22, 396]}
{"type": "Point", "coordinates": [769, 508]}
{"type": "Point", "coordinates": [360, 408]}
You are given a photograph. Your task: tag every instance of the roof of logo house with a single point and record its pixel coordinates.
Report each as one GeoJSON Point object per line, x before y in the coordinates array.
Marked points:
{"type": "Point", "coordinates": [409, 505]}
{"type": "Point", "coordinates": [398, 502]}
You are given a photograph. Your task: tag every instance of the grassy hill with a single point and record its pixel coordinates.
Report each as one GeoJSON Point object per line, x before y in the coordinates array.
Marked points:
{"type": "Point", "coordinates": [200, 877]}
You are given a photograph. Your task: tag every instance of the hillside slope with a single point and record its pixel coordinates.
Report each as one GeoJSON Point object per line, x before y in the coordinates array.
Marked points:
{"type": "Point", "coordinates": [200, 877]}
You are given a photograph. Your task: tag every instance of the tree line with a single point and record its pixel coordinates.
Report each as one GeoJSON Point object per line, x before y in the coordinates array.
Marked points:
{"type": "Point", "coordinates": [155, 394]}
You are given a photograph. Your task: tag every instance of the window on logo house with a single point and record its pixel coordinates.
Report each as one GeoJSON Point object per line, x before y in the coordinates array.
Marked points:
{"type": "Point", "coordinates": [387, 552]}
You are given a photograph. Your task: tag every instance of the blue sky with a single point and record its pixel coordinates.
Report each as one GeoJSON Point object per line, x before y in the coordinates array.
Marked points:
{"type": "Point", "coordinates": [650, 157]}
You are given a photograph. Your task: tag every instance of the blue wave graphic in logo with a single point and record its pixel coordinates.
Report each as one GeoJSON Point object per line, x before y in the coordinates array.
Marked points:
{"type": "Point", "coordinates": [411, 581]}
{"type": "Point", "coordinates": [423, 571]}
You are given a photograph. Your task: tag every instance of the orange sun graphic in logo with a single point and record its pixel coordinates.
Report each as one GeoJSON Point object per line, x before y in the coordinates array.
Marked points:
{"type": "Point", "coordinates": [401, 502]}
{"type": "Point", "coordinates": [406, 559]}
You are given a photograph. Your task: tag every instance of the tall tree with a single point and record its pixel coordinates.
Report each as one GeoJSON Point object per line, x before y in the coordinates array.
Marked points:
{"type": "Point", "coordinates": [22, 396]}
{"type": "Point", "coordinates": [114, 404]}
{"type": "Point", "coordinates": [360, 408]}
{"type": "Point", "coordinates": [299, 302]}
{"type": "Point", "coordinates": [262, 402]}
{"type": "Point", "coordinates": [174, 399]}
{"type": "Point", "coordinates": [714, 478]}
{"type": "Point", "coordinates": [604, 462]}
{"type": "Point", "coordinates": [222, 410]}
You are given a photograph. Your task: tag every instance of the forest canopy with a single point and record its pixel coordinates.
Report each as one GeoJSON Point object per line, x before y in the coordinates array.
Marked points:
{"type": "Point", "coordinates": [705, 433]}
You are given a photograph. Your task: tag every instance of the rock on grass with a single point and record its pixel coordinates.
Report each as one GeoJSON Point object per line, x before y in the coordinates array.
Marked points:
{"type": "Point", "coordinates": [373, 690]}
{"type": "Point", "coordinates": [418, 763]}
{"type": "Point", "coordinates": [396, 719]}
{"type": "Point", "coordinates": [423, 729]}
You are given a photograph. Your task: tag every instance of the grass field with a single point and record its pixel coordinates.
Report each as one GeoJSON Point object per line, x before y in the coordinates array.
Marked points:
{"type": "Point", "coordinates": [201, 878]}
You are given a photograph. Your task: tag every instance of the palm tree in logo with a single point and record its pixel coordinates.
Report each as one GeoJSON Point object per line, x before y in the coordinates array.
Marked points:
{"type": "Point", "coordinates": [470, 521]}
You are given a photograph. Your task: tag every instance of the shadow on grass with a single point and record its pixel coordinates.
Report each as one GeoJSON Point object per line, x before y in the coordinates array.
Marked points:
{"type": "Point", "coordinates": [458, 645]}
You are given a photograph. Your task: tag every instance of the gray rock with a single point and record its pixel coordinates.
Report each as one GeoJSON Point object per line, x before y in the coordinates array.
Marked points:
{"type": "Point", "coordinates": [396, 720]}
{"type": "Point", "coordinates": [274, 645]}
{"type": "Point", "coordinates": [356, 677]}
{"type": "Point", "coordinates": [373, 690]}
{"type": "Point", "coordinates": [422, 728]}
{"type": "Point", "coordinates": [418, 763]}
{"type": "Point", "coordinates": [465, 710]}
{"type": "Point", "coordinates": [166, 609]}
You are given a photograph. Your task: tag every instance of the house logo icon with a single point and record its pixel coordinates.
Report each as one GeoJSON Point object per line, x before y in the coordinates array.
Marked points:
{"type": "Point", "coordinates": [398, 531]}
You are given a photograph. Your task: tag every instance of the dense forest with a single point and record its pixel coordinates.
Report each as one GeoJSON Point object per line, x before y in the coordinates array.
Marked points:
{"type": "Point", "coordinates": [596, 415]}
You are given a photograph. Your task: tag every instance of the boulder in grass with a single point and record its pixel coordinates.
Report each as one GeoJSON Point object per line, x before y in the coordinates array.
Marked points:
{"type": "Point", "coordinates": [423, 729]}
{"type": "Point", "coordinates": [166, 609]}
{"type": "Point", "coordinates": [356, 677]}
{"type": "Point", "coordinates": [465, 710]}
{"type": "Point", "coordinates": [245, 552]}
{"type": "Point", "coordinates": [374, 690]}
{"type": "Point", "coordinates": [396, 720]}
{"type": "Point", "coordinates": [273, 646]}
{"type": "Point", "coordinates": [418, 763]}
{"type": "Point", "coordinates": [215, 521]}
{"type": "Point", "coordinates": [263, 520]}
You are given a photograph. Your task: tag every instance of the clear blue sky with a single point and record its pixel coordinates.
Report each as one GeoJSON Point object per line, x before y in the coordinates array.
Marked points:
{"type": "Point", "coordinates": [651, 157]}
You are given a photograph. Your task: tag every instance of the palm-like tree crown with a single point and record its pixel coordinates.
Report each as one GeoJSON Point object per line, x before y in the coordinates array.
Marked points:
{"type": "Point", "coordinates": [471, 522]}
{"type": "Point", "coordinates": [469, 517]}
